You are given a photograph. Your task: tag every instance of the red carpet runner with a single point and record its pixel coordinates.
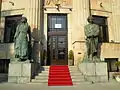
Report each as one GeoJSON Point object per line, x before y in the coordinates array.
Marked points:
{"type": "Point", "coordinates": [59, 76]}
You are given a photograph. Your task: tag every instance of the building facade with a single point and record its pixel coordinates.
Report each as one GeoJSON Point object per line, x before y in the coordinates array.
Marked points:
{"type": "Point", "coordinates": [57, 26]}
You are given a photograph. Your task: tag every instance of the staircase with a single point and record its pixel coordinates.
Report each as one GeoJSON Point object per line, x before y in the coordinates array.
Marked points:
{"type": "Point", "coordinates": [77, 77]}
{"type": "Point", "coordinates": [42, 78]}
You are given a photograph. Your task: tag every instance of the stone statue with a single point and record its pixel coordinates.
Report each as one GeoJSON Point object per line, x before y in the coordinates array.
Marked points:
{"type": "Point", "coordinates": [21, 40]}
{"type": "Point", "coordinates": [92, 33]}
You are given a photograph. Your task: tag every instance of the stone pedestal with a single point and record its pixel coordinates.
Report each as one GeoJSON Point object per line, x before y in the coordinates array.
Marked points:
{"type": "Point", "coordinates": [20, 72]}
{"type": "Point", "coordinates": [94, 72]}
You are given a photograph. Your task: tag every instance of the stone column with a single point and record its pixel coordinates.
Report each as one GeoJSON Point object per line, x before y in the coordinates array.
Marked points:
{"type": "Point", "coordinates": [79, 18]}
{"type": "Point", "coordinates": [69, 32]}
{"type": "Point", "coordinates": [33, 13]}
{"type": "Point", "coordinates": [116, 19]}
{"type": "Point", "coordinates": [80, 14]}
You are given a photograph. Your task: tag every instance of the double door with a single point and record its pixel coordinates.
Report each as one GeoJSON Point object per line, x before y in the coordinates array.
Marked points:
{"type": "Point", "coordinates": [58, 50]}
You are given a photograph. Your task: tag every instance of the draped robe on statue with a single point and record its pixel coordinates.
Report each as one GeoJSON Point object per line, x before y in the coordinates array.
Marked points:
{"type": "Point", "coordinates": [91, 33]}
{"type": "Point", "coordinates": [21, 41]}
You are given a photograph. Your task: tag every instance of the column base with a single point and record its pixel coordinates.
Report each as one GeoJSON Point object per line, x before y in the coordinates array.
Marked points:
{"type": "Point", "coordinates": [94, 72]}
{"type": "Point", "coordinates": [20, 72]}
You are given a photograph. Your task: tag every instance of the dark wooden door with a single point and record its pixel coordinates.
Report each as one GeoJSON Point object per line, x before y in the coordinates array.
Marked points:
{"type": "Point", "coordinates": [58, 50]}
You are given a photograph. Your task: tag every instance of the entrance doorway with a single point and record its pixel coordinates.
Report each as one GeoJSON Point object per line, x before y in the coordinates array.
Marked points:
{"type": "Point", "coordinates": [57, 39]}
{"type": "Point", "coordinates": [10, 27]}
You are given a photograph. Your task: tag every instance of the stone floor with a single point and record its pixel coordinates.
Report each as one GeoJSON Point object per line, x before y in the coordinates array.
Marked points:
{"type": "Point", "coordinates": [83, 86]}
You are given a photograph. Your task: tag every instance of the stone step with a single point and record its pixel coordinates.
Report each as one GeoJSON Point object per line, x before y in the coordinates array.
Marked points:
{"type": "Point", "coordinates": [47, 69]}
{"type": "Point", "coordinates": [74, 83]}
{"type": "Point", "coordinates": [78, 80]}
{"type": "Point", "coordinates": [75, 74]}
{"type": "Point", "coordinates": [60, 71]}
{"type": "Point", "coordinates": [46, 80]}
{"type": "Point", "coordinates": [39, 81]}
{"type": "Point", "coordinates": [73, 69]}
{"type": "Point", "coordinates": [78, 83]}
{"type": "Point", "coordinates": [43, 74]}
{"type": "Point", "coordinates": [46, 76]}
{"type": "Point", "coordinates": [77, 77]}
{"type": "Point", "coordinates": [41, 77]}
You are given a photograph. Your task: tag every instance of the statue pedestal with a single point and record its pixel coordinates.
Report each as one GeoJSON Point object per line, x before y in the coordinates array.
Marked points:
{"type": "Point", "coordinates": [94, 72]}
{"type": "Point", "coordinates": [20, 72]}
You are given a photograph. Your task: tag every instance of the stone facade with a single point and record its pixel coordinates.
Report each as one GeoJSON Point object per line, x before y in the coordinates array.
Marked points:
{"type": "Point", "coordinates": [77, 12]}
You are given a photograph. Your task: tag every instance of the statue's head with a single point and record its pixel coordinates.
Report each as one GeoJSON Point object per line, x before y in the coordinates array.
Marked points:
{"type": "Point", "coordinates": [90, 19]}
{"type": "Point", "coordinates": [24, 20]}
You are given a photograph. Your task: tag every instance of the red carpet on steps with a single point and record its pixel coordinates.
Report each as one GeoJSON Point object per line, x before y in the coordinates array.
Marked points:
{"type": "Point", "coordinates": [59, 76]}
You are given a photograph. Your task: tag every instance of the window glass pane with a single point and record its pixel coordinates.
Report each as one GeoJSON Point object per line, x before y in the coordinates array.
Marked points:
{"type": "Point", "coordinates": [57, 22]}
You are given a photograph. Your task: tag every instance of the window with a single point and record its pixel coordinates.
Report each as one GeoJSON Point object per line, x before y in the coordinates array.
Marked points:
{"type": "Point", "coordinates": [111, 64]}
{"type": "Point", "coordinates": [57, 22]}
{"type": "Point", "coordinates": [102, 22]}
{"type": "Point", "coordinates": [10, 27]}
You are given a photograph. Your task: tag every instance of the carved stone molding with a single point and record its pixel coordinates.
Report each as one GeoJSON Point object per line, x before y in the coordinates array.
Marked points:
{"type": "Point", "coordinates": [60, 2]}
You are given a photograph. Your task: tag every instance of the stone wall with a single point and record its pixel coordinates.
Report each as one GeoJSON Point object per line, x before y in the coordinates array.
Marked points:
{"type": "Point", "coordinates": [77, 12]}
{"type": "Point", "coordinates": [30, 9]}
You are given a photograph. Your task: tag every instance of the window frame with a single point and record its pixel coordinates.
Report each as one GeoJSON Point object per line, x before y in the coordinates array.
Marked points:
{"type": "Point", "coordinates": [104, 35]}
{"type": "Point", "coordinates": [63, 18]}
